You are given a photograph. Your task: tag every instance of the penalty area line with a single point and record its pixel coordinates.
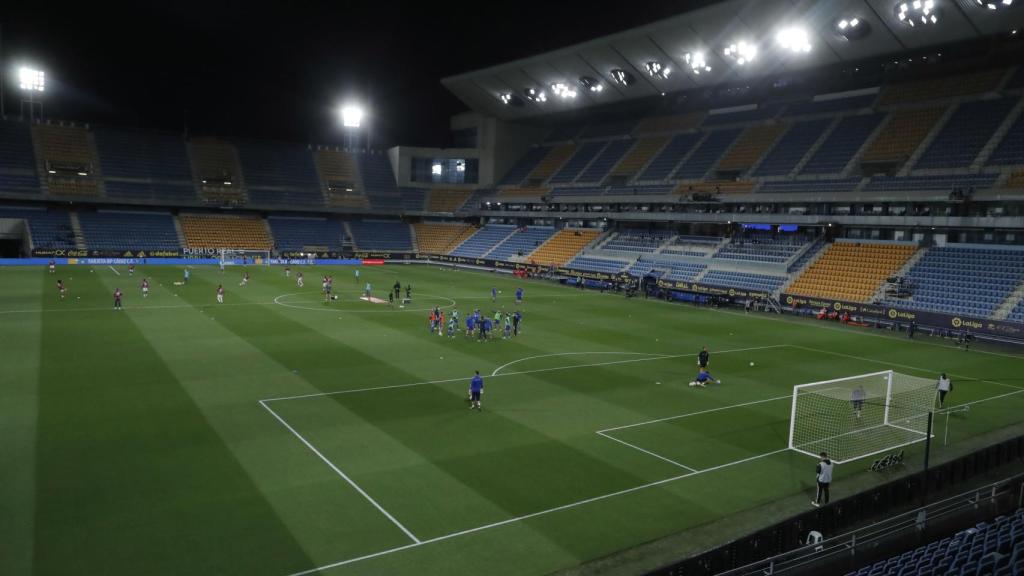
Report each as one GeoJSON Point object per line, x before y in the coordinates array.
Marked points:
{"type": "Point", "coordinates": [114, 270]}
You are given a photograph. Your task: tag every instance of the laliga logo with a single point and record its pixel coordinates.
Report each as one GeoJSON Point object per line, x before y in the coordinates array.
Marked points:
{"type": "Point", "coordinates": [732, 292]}
{"type": "Point", "coordinates": [837, 305]}
{"type": "Point", "coordinates": [789, 299]}
{"type": "Point", "coordinates": [893, 313]}
{"type": "Point", "coordinates": [957, 322]}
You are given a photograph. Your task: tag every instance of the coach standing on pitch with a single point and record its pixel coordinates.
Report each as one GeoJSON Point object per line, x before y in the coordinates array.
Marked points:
{"type": "Point", "coordinates": [823, 474]}
{"type": "Point", "coordinates": [703, 357]}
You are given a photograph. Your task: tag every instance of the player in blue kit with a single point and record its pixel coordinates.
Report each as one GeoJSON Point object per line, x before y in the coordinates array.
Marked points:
{"type": "Point", "coordinates": [476, 390]}
{"type": "Point", "coordinates": [470, 324]}
{"type": "Point", "coordinates": [703, 377]}
{"type": "Point", "coordinates": [494, 294]}
{"type": "Point", "coordinates": [519, 296]}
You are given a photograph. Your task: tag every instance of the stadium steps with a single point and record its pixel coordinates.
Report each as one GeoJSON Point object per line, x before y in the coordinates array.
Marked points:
{"type": "Point", "coordinates": [178, 231]}
{"type": "Point", "coordinates": [813, 253]}
{"type": "Point", "coordinates": [670, 241]}
{"type": "Point", "coordinates": [76, 228]}
{"type": "Point", "coordinates": [412, 239]}
{"type": "Point", "coordinates": [784, 129]}
{"type": "Point", "coordinates": [904, 270]}
{"type": "Point", "coordinates": [997, 137]}
{"type": "Point", "coordinates": [462, 239]}
{"type": "Point", "coordinates": [349, 240]}
{"type": "Point", "coordinates": [815, 147]}
{"type": "Point", "coordinates": [868, 142]}
{"type": "Point", "coordinates": [1014, 299]}
{"type": "Point", "coordinates": [926, 142]}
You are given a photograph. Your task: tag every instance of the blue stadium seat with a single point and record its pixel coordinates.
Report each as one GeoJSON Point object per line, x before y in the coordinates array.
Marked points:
{"type": "Point", "coordinates": [524, 240]}
{"type": "Point", "coordinates": [842, 143]}
{"type": "Point", "coordinates": [707, 154]}
{"type": "Point", "coordinates": [296, 234]}
{"type": "Point", "coordinates": [792, 147]}
{"type": "Point", "coordinates": [484, 240]}
{"type": "Point", "coordinates": [666, 161]}
{"type": "Point", "coordinates": [116, 231]}
{"type": "Point", "coordinates": [384, 235]}
{"type": "Point", "coordinates": [48, 229]}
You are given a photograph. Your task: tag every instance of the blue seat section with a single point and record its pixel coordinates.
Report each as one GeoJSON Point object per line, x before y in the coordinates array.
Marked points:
{"type": "Point", "coordinates": [988, 549]}
{"type": "Point", "coordinates": [1017, 314]}
{"type": "Point", "coordinates": [563, 133]}
{"type": "Point", "coordinates": [842, 143]}
{"type": "Point", "coordinates": [144, 155]}
{"type": "Point", "coordinates": [293, 197]}
{"type": "Point", "coordinates": [965, 134]}
{"type": "Point", "coordinates": [935, 183]}
{"type": "Point", "coordinates": [832, 185]}
{"type": "Point", "coordinates": [745, 280]}
{"type": "Point", "coordinates": [707, 155]}
{"type": "Point", "coordinates": [700, 246]}
{"type": "Point", "coordinates": [762, 247]}
{"type": "Point", "coordinates": [811, 252]}
{"type": "Point", "coordinates": [376, 174]}
{"type": "Point", "coordinates": [156, 191]}
{"type": "Point", "coordinates": [578, 191]}
{"type": "Point", "coordinates": [963, 280]}
{"type": "Point", "coordinates": [828, 106]}
{"type": "Point", "coordinates": [484, 240]}
{"type": "Point", "coordinates": [593, 264]}
{"type": "Point", "coordinates": [17, 160]}
{"type": "Point", "coordinates": [413, 199]}
{"type": "Point", "coordinates": [670, 156]}
{"type": "Point", "coordinates": [269, 164]}
{"type": "Point", "coordinates": [48, 229]}
{"type": "Point", "coordinates": [128, 230]}
{"type": "Point", "coordinates": [381, 235]}
{"type": "Point", "coordinates": [605, 161]}
{"type": "Point", "coordinates": [637, 241]}
{"type": "Point", "coordinates": [523, 240]}
{"type": "Point", "coordinates": [583, 155]}
{"type": "Point", "coordinates": [1011, 148]}
{"type": "Point", "coordinates": [295, 234]}
{"type": "Point", "coordinates": [762, 112]}
{"type": "Point", "coordinates": [640, 189]}
{"type": "Point", "coordinates": [666, 269]}
{"type": "Point", "coordinates": [608, 130]}
{"type": "Point", "coordinates": [524, 166]}
{"type": "Point", "coordinates": [792, 147]}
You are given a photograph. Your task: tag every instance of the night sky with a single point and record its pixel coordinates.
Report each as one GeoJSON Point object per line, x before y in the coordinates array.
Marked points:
{"type": "Point", "coordinates": [278, 69]}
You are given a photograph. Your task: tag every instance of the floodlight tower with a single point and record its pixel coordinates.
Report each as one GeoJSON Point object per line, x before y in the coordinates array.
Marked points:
{"type": "Point", "coordinates": [352, 116]}
{"type": "Point", "coordinates": [32, 82]}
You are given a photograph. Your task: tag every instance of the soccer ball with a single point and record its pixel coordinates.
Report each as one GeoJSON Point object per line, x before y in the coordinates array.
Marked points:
{"type": "Point", "coordinates": [334, 297]}
{"type": "Point", "coordinates": [751, 363]}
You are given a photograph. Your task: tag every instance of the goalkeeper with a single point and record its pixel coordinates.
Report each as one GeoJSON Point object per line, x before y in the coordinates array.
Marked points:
{"type": "Point", "coordinates": [703, 377]}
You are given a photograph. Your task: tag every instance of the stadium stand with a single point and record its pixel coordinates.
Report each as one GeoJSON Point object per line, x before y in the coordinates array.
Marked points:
{"type": "Point", "coordinates": [563, 133]}
{"type": "Point", "coordinates": [578, 191]}
{"type": "Point", "coordinates": [114, 230]}
{"type": "Point", "coordinates": [381, 235]}
{"type": "Point", "coordinates": [339, 178]}
{"type": "Point", "coordinates": [608, 129]}
{"type": "Point", "coordinates": [792, 147]}
{"type": "Point", "coordinates": [414, 199]}
{"type": "Point", "coordinates": [521, 242]}
{"type": "Point", "coordinates": [707, 154]}
{"type": "Point", "coordinates": [447, 201]}
{"type": "Point", "coordinates": [580, 159]}
{"type": "Point", "coordinates": [901, 136]}
{"type": "Point", "coordinates": [988, 549]}
{"type": "Point", "coordinates": [595, 264]}
{"type": "Point", "coordinates": [760, 112]}
{"type": "Point", "coordinates": [236, 232]}
{"type": "Point", "coordinates": [605, 161]}
{"type": "Point", "coordinates": [746, 280]}
{"type": "Point", "coordinates": [293, 234]}
{"type": "Point", "coordinates": [552, 161]}
{"type": "Point", "coordinates": [670, 156]}
{"type": "Point", "coordinates": [665, 268]}
{"type": "Point", "coordinates": [215, 165]}
{"type": "Point", "coordinates": [940, 183]}
{"type": "Point", "coordinates": [762, 247]}
{"type": "Point", "coordinates": [1011, 148]}
{"type": "Point", "coordinates": [1017, 314]}
{"type": "Point", "coordinates": [636, 241]}
{"type": "Point", "coordinates": [67, 160]}
{"type": "Point", "coordinates": [749, 148]}
{"type": "Point", "coordinates": [49, 229]}
{"type": "Point", "coordinates": [685, 245]}
{"type": "Point", "coordinates": [828, 105]}
{"type": "Point", "coordinates": [839, 147]}
{"type": "Point", "coordinates": [942, 87]}
{"type": "Point", "coordinates": [280, 174]}
{"type": "Point", "coordinates": [525, 165]}
{"type": "Point", "coordinates": [969, 280]}
{"type": "Point", "coordinates": [17, 160]}
{"type": "Point", "coordinates": [639, 156]}
{"type": "Point", "coordinates": [528, 193]}
{"type": "Point", "coordinates": [565, 244]}
{"type": "Point", "coordinates": [851, 271]}
{"type": "Point", "coordinates": [664, 124]}
{"type": "Point", "coordinates": [965, 133]}
{"type": "Point", "coordinates": [826, 186]}
{"type": "Point", "coordinates": [378, 181]}
{"type": "Point", "coordinates": [484, 240]}
{"type": "Point", "coordinates": [143, 155]}
{"type": "Point", "coordinates": [437, 238]}
{"type": "Point", "coordinates": [156, 191]}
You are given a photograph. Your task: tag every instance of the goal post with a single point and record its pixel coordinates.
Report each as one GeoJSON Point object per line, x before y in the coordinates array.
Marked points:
{"type": "Point", "coordinates": [859, 416]}
{"type": "Point", "coordinates": [233, 257]}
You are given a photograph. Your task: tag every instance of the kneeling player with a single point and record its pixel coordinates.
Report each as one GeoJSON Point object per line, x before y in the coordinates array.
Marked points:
{"type": "Point", "coordinates": [703, 377]}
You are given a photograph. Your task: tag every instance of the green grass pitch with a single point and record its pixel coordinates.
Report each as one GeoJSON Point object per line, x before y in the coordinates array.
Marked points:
{"type": "Point", "coordinates": [276, 434]}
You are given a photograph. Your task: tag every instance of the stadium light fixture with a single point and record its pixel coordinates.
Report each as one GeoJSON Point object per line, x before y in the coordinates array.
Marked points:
{"type": "Point", "coordinates": [621, 77]}
{"type": "Point", "coordinates": [351, 116]}
{"type": "Point", "coordinates": [31, 79]}
{"type": "Point", "coordinates": [436, 169]}
{"type": "Point", "coordinates": [995, 4]}
{"type": "Point", "coordinates": [793, 39]}
{"type": "Point", "coordinates": [656, 69]}
{"type": "Point", "coordinates": [852, 28]}
{"type": "Point", "coordinates": [591, 84]}
{"type": "Point", "coordinates": [741, 52]}
{"type": "Point", "coordinates": [697, 62]}
{"type": "Point", "coordinates": [563, 91]}
{"type": "Point", "coordinates": [510, 99]}
{"type": "Point", "coordinates": [460, 165]}
{"type": "Point", "coordinates": [917, 13]}
{"type": "Point", "coordinates": [534, 95]}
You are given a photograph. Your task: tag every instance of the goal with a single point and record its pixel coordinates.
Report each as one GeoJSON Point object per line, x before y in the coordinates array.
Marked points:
{"type": "Point", "coordinates": [860, 416]}
{"type": "Point", "coordinates": [230, 257]}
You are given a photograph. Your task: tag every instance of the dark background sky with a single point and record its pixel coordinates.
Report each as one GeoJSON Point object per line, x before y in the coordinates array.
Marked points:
{"type": "Point", "coordinates": [277, 69]}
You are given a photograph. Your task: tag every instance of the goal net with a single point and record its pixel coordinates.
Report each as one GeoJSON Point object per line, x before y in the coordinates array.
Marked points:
{"type": "Point", "coordinates": [860, 416]}
{"type": "Point", "coordinates": [230, 257]}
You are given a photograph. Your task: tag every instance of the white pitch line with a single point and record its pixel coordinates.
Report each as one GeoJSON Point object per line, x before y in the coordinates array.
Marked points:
{"type": "Point", "coordinates": [648, 452]}
{"type": "Point", "coordinates": [536, 514]}
{"type": "Point", "coordinates": [651, 354]}
{"type": "Point", "coordinates": [342, 474]}
{"type": "Point", "coordinates": [538, 370]}
{"type": "Point", "coordinates": [114, 270]}
{"type": "Point", "coordinates": [698, 413]}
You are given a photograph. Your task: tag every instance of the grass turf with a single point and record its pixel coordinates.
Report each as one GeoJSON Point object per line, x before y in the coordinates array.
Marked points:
{"type": "Point", "coordinates": [137, 442]}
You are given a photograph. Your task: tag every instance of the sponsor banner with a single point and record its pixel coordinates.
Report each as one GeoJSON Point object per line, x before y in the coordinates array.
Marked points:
{"type": "Point", "coordinates": [59, 253]}
{"type": "Point", "coordinates": [711, 290]}
{"type": "Point", "coordinates": [372, 262]}
{"type": "Point", "coordinates": [310, 255]}
{"type": "Point", "coordinates": [385, 255]}
{"type": "Point", "coordinates": [896, 314]}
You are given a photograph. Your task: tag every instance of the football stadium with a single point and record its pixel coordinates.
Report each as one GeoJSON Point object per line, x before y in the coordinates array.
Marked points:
{"type": "Point", "coordinates": [735, 290]}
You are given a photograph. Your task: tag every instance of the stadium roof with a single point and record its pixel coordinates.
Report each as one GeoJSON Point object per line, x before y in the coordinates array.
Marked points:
{"type": "Point", "coordinates": [709, 30]}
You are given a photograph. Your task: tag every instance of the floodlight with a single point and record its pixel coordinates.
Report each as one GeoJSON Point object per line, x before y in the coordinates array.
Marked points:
{"type": "Point", "coordinates": [436, 169]}
{"type": "Point", "coordinates": [563, 91]}
{"type": "Point", "coordinates": [534, 95]}
{"type": "Point", "coordinates": [995, 4]}
{"type": "Point", "coordinates": [351, 116]}
{"type": "Point", "coordinates": [852, 28]}
{"type": "Point", "coordinates": [917, 13]}
{"type": "Point", "coordinates": [742, 52]}
{"type": "Point", "coordinates": [621, 77]}
{"type": "Point", "coordinates": [793, 40]}
{"type": "Point", "coordinates": [697, 62]}
{"type": "Point", "coordinates": [460, 165]}
{"type": "Point", "coordinates": [656, 69]}
{"type": "Point", "coordinates": [510, 99]}
{"type": "Point", "coordinates": [31, 79]}
{"type": "Point", "coordinates": [592, 84]}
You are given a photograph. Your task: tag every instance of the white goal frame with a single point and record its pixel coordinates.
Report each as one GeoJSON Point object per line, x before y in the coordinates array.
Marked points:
{"type": "Point", "coordinates": [233, 257]}
{"type": "Point", "coordinates": [887, 420]}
